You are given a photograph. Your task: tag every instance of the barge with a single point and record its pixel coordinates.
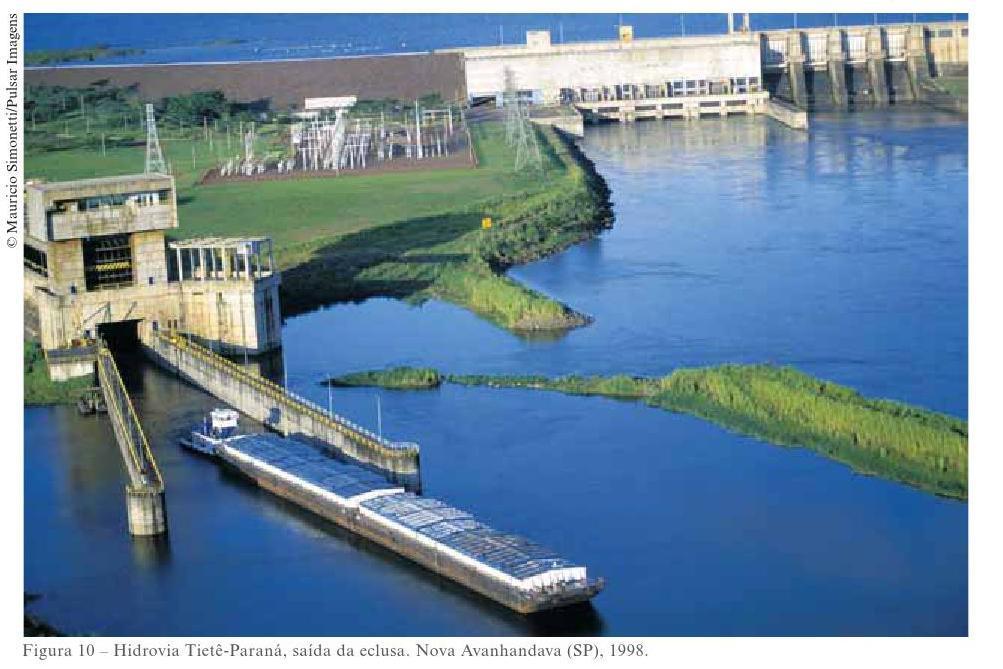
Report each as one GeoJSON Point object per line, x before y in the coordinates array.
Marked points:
{"type": "Point", "coordinates": [507, 568]}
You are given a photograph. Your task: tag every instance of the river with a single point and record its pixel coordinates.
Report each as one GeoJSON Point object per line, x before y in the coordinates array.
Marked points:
{"type": "Point", "coordinates": [843, 252]}
{"type": "Point", "coordinates": [229, 37]}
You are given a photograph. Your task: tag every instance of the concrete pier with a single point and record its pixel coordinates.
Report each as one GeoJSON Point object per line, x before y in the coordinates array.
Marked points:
{"type": "Point", "coordinates": [146, 510]}
{"type": "Point", "coordinates": [876, 68]}
{"type": "Point", "coordinates": [917, 62]}
{"type": "Point", "coordinates": [837, 70]}
{"type": "Point", "coordinates": [788, 114]}
{"type": "Point", "coordinates": [795, 69]}
{"type": "Point", "coordinates": [144, 494]}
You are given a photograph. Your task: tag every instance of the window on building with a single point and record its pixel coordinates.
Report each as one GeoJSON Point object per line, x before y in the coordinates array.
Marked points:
{"type": "Point", "coordinates": [36, 260]}
{"type": "Point", "coordinates": [107, 262]}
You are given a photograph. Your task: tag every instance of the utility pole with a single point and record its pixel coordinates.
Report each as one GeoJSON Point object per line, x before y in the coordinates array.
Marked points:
{"type": "Point", "coordinates": [417, 121]}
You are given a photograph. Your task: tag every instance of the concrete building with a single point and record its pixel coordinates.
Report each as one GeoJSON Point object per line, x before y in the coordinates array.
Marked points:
{"type": "Point", "coordinates": [629, 78]}
{"type": "Point", "coordinates": [629, 67]}
{"type": "Point", "coordinates": [229, 297]}
{"type": "Point", "coordinates": [96, 255]}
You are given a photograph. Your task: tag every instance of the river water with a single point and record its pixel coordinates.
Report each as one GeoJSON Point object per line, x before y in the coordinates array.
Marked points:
{"type": "Point", "coordinates": [173, 38]}
{"type": "Point", "coordinates": [843, 252]}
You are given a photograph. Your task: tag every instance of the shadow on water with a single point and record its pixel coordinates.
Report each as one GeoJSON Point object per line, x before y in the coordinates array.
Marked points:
{"type": "Point", "coordinates": [578, 620]}
{"type": "Point", "coordinates": [152, 551]}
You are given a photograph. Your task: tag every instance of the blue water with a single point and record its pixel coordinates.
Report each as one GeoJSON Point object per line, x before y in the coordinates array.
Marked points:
{"type": "Point", "coordinates": [843, 251]}
{"type": "Point", "coordinates": [168, 38]}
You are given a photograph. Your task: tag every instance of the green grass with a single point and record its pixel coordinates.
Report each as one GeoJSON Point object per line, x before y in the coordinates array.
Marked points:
{"type": "Point", "coordinates": [414, 235]}
{"type": "Point", "coordinates": [784, 406]}
{"type": "Point", "coordinates": [39, 389]}
{"type": "Point", "coordinates": [398, 378]}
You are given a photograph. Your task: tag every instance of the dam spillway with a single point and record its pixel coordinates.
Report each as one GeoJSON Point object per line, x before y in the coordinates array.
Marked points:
{"type": "Point", "coordinates": [507, 568]}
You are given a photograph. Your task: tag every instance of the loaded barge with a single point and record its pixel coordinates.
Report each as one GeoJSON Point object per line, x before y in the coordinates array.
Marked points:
{"type": "Point", "coordinates": [509, 569]}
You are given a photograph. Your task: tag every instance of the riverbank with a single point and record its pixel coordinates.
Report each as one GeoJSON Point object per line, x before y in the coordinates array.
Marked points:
{"type": "Point", "coordinates": [412, 235]}
{"type": "Point", "coordinates": [451, 255]}
{"type": "Point", "coordinates": [780, 405]}
{"type": "Point", "coordinates": [39, 389]}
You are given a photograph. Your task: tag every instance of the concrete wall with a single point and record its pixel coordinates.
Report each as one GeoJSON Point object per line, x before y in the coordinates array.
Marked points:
{"type": "Point", "coordinates": [233, 315]}
{"type": "Point", "coordinates": [113, 221]}
{"type": "Point", "coordinates": [273, 406]}
{"type": "Point", "coordinates": [548, 69]}
{"type": "Point", "coordinates": [149, 260]}
{"type": "Point", "coordinates": [787, 114]}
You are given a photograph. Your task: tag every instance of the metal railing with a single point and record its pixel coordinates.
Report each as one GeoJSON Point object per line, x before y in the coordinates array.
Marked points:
{"type": "Point", "coordinates": [282, 395]}
{"type": "Point", "coordinates": [136, 454]}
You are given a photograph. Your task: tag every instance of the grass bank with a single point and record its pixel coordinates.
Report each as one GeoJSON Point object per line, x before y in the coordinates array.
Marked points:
{"type": "Point", "coordinates": [412, 235]}
{"type": "Point", "coordinates": [39, 389]}
{"type": "Point", "coordinates": [780, 405]}
{"type": "Point", "coordinates": [448, 255]}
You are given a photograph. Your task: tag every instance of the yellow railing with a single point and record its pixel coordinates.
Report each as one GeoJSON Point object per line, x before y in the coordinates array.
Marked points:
{"type": "Point", "coordinates": [282, 395]}
{"type": "Point", "coordinates": [144, 470]}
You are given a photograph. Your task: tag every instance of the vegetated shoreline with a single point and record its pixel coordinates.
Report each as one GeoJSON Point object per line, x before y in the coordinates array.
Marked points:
{"type": "Point", "coordinates": [81, 54]}
{"type": "Point", "coordinates": [464, 263]}
{"type": "Point", "coordinates": [780, 405]}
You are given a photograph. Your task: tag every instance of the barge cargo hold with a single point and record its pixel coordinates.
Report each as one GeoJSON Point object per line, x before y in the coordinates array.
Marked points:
{"type": "Point", "coordinates": [509, 569]}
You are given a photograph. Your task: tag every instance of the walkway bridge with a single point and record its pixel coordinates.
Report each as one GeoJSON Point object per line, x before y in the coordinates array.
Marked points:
{"type": "Point", "coordinates": [282, 410]}
{"type": "Point", "coordinates": [145, 490]}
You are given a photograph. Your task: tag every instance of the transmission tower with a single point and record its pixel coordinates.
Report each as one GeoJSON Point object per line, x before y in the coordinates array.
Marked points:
{"type": "Point", "coordinates": [154, 157]}
{"type": "Point", "coordinates": [518, 129]}
{"type": "Point", "coordinates": [527, 151]}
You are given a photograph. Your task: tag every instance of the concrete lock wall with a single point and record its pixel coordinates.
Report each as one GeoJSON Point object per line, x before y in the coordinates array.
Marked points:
{"type": "Point", "coordinates": [549, 68]}
{"type": "Point", "coordinates": [275, 407]}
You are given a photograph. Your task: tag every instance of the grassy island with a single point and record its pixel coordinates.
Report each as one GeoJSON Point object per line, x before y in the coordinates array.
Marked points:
{"type": "Point", "coordinates": [398, 378]}
{"type": "Point", "coordinates": [413, 235]}
{"type": "Point", "coordinates": [39, 389]}
{"type": "Point", "coordinates": [780, 405]}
